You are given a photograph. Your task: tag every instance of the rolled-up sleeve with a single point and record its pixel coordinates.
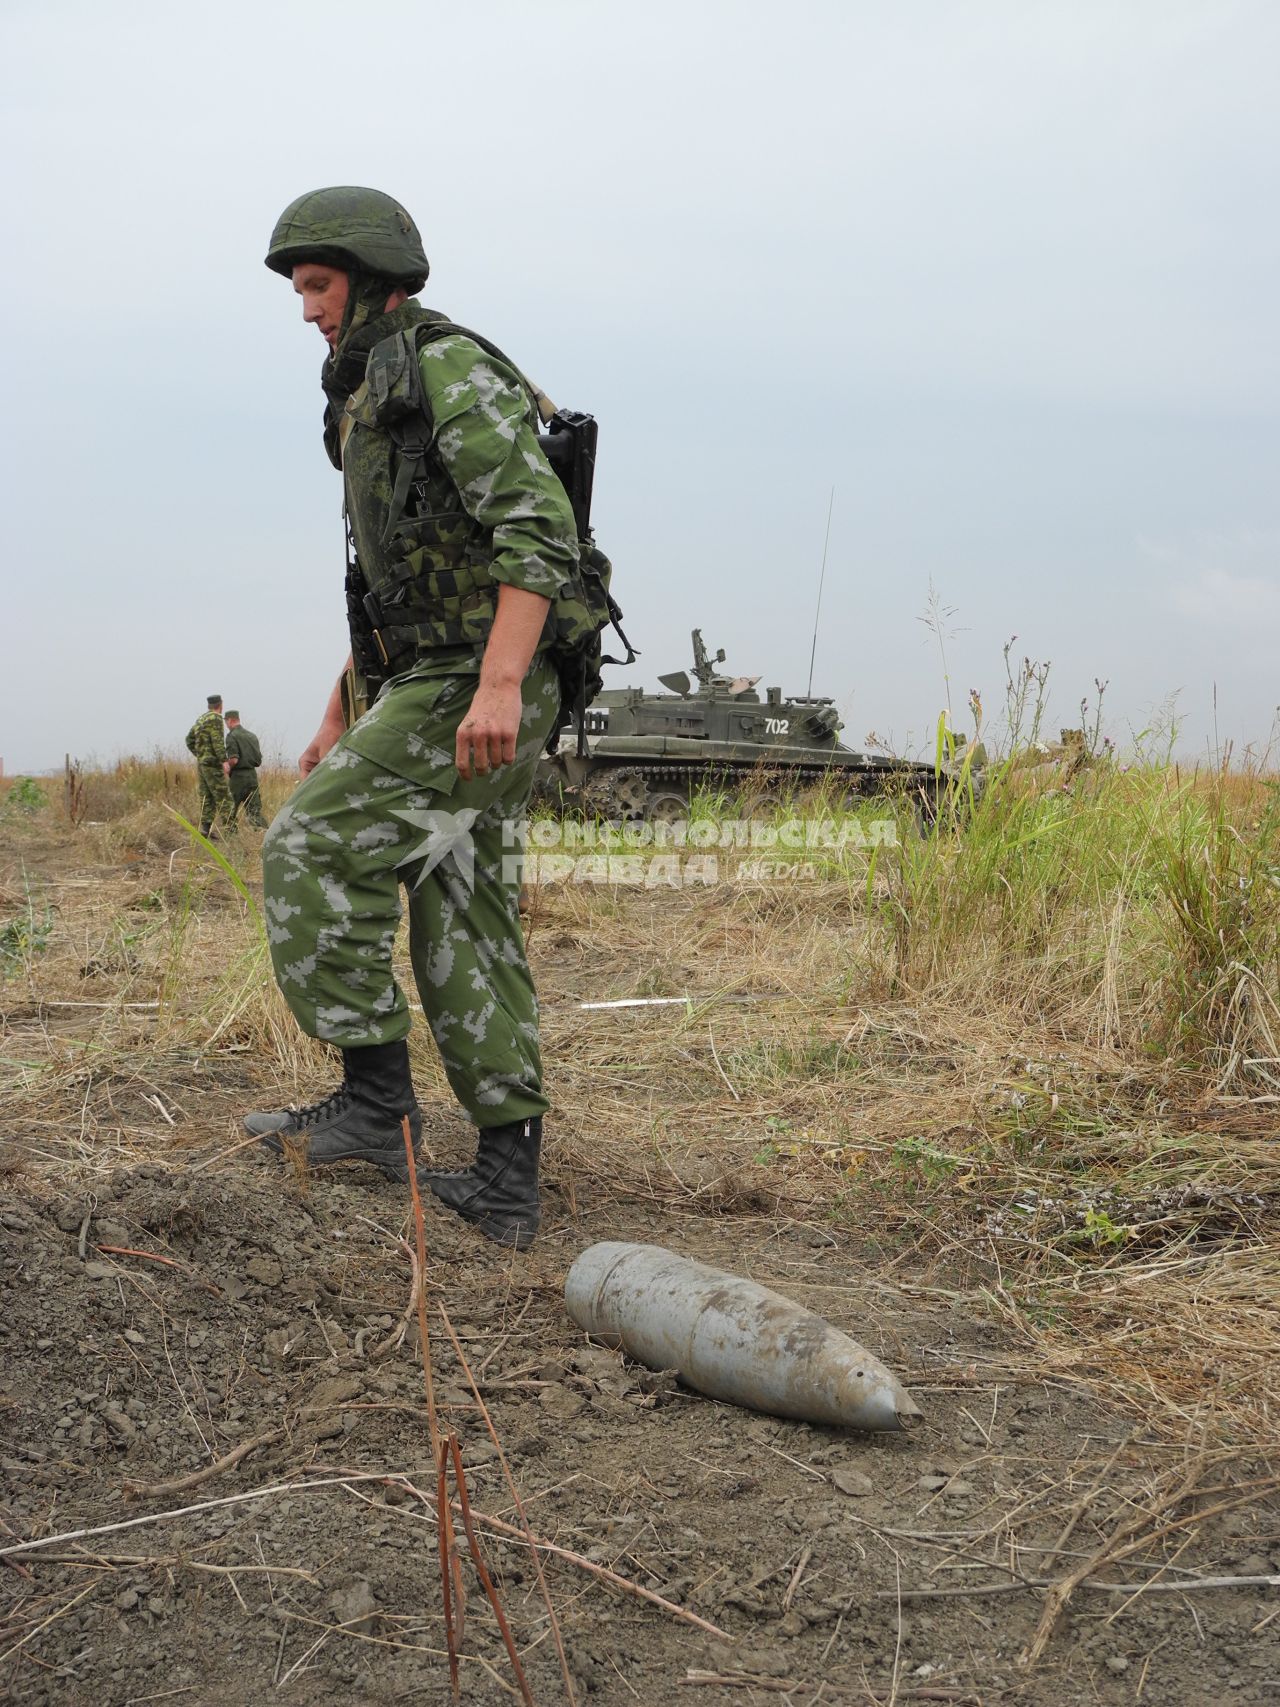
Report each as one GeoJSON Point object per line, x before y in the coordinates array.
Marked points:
{"type": "Point", "coordinates": [482, 422]}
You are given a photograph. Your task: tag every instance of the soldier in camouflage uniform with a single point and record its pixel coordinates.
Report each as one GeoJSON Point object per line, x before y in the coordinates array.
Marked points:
{"type": "Point", "coordinates": [464, 539]}
{"type": "Point", "coordinates": [204, 741]}
{"type": "Point", "coordinates": [244, 755]}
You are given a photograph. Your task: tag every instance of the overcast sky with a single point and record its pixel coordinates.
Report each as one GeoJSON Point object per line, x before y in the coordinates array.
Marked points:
{"type": "Point", "coordinates": [1003, 273]}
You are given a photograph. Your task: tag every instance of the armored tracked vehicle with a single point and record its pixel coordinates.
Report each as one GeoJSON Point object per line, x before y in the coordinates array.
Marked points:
{"type": "Point", "coordinates": [647, 754]}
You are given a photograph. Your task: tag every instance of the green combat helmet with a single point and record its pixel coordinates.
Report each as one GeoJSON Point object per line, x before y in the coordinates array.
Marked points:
{"type": "Point", "coordinates": [345, 224]}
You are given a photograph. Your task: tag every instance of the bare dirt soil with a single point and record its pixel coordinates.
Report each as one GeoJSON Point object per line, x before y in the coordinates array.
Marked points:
{"type": "Point", "coordinates": [159, 1313]}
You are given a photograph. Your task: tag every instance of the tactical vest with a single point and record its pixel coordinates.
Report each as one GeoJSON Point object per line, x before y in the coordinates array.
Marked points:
{"type": "Point", "coordinates": [425, 563]}
{"type": "Point", "coordinates": [421, 582]}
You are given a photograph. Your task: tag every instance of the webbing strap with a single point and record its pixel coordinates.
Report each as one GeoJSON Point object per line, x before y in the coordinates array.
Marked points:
{"type": "Point", "coordinates": [411, 466]}
{"type": "Point", "coordinates": [413, 434]}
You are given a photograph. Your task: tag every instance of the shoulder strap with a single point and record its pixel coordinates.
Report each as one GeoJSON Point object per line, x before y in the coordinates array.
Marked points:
{"type": "Point", "coordinates": [428, 331]}
{"type": "Point", "coordinates": [390, 360]}
{"type": "Point", "coordinates": [399, 403]}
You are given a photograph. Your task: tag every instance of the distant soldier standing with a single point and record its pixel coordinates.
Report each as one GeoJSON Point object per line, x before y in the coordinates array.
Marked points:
{"type": "Point", "coordinates": [205, 742]}
{"type": "Point", "coordinates": [465, 576]}
{"type": "Point", "coordinates": [244, 755]}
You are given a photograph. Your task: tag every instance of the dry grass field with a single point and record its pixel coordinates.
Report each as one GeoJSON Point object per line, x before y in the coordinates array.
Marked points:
{"type": "Point", "coordinates": [998, 1098]}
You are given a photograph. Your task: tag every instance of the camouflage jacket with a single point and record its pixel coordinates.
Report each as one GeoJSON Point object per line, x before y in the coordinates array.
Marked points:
{"type": "Point", "coordinates": [490, 509]}
{"type": "Point", "coordinates": [204, 739]}
{"type": "Point", "coordinates": [243, 747]}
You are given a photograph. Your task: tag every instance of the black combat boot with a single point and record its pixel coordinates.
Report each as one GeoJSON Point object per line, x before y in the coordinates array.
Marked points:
{"type": "Point", "coordinates": [499, 1191]}
{"type": "Point", "coordinates": [358, 1122]}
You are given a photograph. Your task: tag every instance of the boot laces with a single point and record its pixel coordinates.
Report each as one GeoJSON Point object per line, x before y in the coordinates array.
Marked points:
{"type": "Point", "coordinates": [314, 1112]}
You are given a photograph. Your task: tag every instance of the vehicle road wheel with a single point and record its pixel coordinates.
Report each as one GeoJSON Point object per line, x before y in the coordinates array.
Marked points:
{"type": "Point", "coordinates": [665, 806]}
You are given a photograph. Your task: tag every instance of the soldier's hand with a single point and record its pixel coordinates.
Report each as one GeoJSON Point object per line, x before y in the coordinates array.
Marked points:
{"type": "Point", "coordinates": [488, 733]}
{"type": "Point", "coordinates": [226, 767]}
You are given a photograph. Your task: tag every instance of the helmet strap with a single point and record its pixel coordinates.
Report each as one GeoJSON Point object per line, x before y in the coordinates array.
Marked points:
{"type": "Point", "coordinates": [367, 295]}
{"type": "Point", "coordinates": [364, 321]}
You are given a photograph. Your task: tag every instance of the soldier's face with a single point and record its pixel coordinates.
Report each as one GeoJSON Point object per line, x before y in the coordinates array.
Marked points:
{"type": "Point", "coordinates": [324, 297]}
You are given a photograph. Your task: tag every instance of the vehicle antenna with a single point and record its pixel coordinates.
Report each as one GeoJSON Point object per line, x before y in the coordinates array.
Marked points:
{"type": "Point", "coordinates": [821, 579]}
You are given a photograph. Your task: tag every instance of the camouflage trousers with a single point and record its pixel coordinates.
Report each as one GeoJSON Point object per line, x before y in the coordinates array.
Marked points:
{"type": "Point", "coordinates": [245, 798]}
{"type": "Point", "coordinates": [215, 797]}
{"type": "Point", "coordinates": [386, 808]}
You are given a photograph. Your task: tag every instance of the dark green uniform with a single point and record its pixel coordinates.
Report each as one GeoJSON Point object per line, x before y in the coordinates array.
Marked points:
{"type": "Point", "coordinates": [205, 742]}
{"type": "Point", "coordinates": [244, 748]}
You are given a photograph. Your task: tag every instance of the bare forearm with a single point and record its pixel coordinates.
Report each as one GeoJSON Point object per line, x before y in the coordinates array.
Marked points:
{"type": "Point", "coordinates": [331, 726]}
{"type": "Point", "coordinates": [513, 639]}
{"type": "Point", "coordinates": [488, 734]}
{"type": "Point", "coordinates": [333, 711]}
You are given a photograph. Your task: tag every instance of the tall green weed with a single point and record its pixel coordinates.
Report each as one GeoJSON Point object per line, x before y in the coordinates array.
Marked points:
{"type": "Point", "coordinates": [1150, 896]}
{"type": "Point", "coordinates": [1217, 874]}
